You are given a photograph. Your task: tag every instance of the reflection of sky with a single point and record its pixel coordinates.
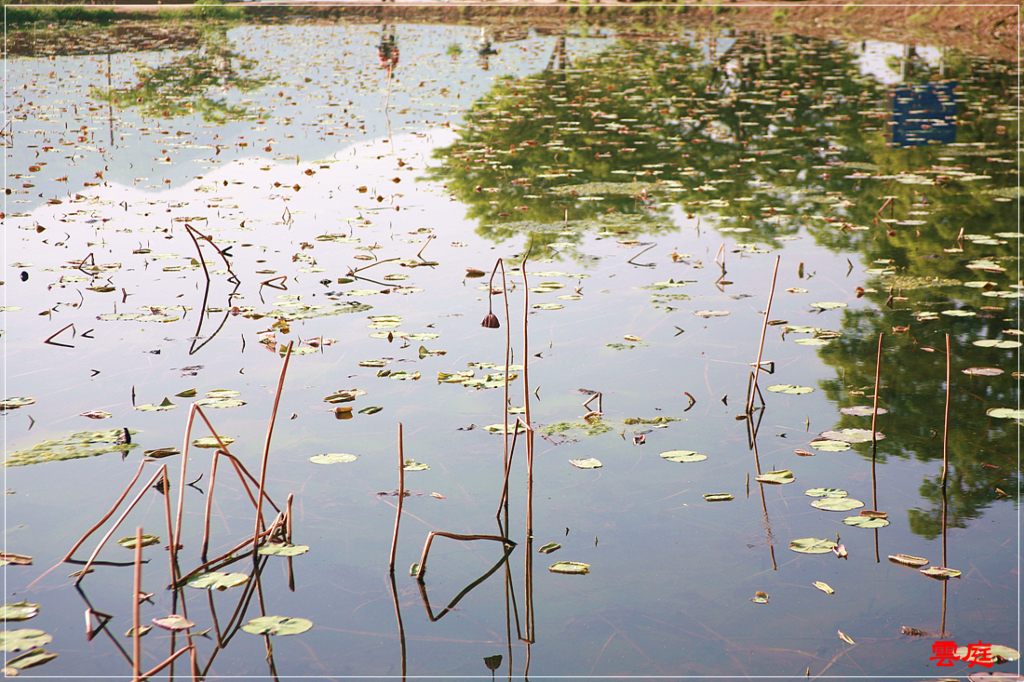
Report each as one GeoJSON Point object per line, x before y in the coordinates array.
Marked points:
{"type": "Point", "coordinates": [873, 59]}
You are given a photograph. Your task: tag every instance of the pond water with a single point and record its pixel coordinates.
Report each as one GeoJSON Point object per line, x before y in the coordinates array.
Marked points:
{"type": "Point", "coordinates": [361, 181]}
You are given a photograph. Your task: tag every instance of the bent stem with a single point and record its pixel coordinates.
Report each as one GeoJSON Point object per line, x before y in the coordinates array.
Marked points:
{"type": "Point", "coordinates": [401, 496]}
{"type": "Point", "coordinates": [266, 452]}
{"type": "Point", "coordinates": [760, 345]}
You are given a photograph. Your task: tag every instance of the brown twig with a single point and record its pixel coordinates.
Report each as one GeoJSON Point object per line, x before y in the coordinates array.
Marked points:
{"type": "Point", "coordinates": [760, 346]}
{"type": "Point", "coordinates": [50, 340]}
{"type": "Point", "coordinates": [136, 590]}
{"type": "Point", "coordinates": [401, 496]}
{"type": "Point", "coordinates": [874, 417]}
{"type": "Point", "coordinates": [67, 557]}
{"type": "Point", "coordinates": [266, 451]}
{"type": "Point", "coordinates": [945, 425]}
{"type": "Point", "coordinates": [454, 536]}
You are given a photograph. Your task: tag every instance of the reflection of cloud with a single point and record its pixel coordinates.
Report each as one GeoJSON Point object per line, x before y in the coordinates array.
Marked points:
{"type": "Point", "coordinates": [874, 59]}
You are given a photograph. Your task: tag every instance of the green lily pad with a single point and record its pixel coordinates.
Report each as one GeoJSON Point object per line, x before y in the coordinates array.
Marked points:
{"type": "Point", "coordinates": [983, 371]}
{"type": "Point", "coordinates": [760, 597]}
{"type": "Point", "coordinates": [1004, 413]}
{"type": "Point", "coordinates": [998, 653]}
{"type": "Point", "coordinates": [837, 503]}
{"type": "Point", "coordinates": [718, 497]}
{"type": "Point", "coordinates": [801, 329]}
{"type": "Point", "coordinates": [413, 465]}
{"type": "Point", "coordinates": [500, 428]}
{"type": "Point", "coordinates": [865, 522]}
{"type": "Point", "coordinates": [710, 313]}
{"type": "Point", "coordinates": [219, 403]}
{"type": "Point", "coordinates": [25, 638]}
{"type": "Point", "coordinates": [824, 587]}
{"type": "Point", "coordinates": [159, 453]}
{"type": "Point", "coordinates": [547, 306]}
{"type": "Point", "coordinates": [333, 458]}
{"type": "Point", "coordinates": [19, 611]}
{"type": "Point", "coordinates": [217, 581]}
{"type": "Point", "coordinates": [776, 477]}
{"type": "Point", "coordinates": [211, 441]}
{"type": "Point", "coordinates": [422, 336]}
{"type": "Point", "coordinates": [812, 546]}
{"type": "Point", "coordinates": [549, 548]}
{"type": "Point", "coordinates": [996, 343]}
{"type": "Point", "coordinates": [223, 393]}
{"type": "Point", "coordinates": [683, 456]}
{"type": "Point", "coordinates": [588, 463]}
{"type": "Point", "coordinates": [852, 435]}
{"type": "Point", "coordinates": [570, 568]}
{"type": "Point", "coordinates": [143, 630]}
{"type": "Point", "coordinates": [829, 445]}
{"type": "Point", "coordinates": [940, 572]}
{"type": "Point", "coordinates": [825, 492]}
{"type": "Point", "coordinates": [277, 625]}
{"type": "Point", "coordinates": [147, 540]}
{"type": "Point", "coordinates": [74, 446]}
{"type": "Point", "coordinates": [372, 409]}
{"type": "Point", "coordinates": [372, 363]}
{"type": "Point", "coordinates": [282, 549]}
{"type": "Point", "coordinates": [908, 560]}
{"type": "Point", "coordinates": [790, 389]}
{"type": "Point", "coordinates": [828, 305]}
{"type": "Point", "coordinates": [29, 659]}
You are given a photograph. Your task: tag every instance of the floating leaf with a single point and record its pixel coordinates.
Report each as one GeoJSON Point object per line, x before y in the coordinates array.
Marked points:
{"type": "Point", "coordinates": [147, 540]}
{"type": "Point", "coordinates": [718, 497]}
{"type": "Point", "coordinates": [710, 313]}
{"type": "Point", "coordinates": [829, 445]}
{"type": "Point", "coordinates": [837, 504]}
{"type": "Point", "coordinates": [999, 654]}
{"type": "Point", "coordinates": [865, 522]}
{"type": "Point", "coordinates": [15, 403]}
{"type": "Point", "coordinates": [159, 453]}
{"type": "Point", "coordinates": [845, 638]}
{"type": "Point", "coordinates": [588, 463]}
{"type": "Point", "coordinates": [282, 549]}
{"type": "Point", "coordinates": [827, 305]}
{"type": "Point", "coordinates": [162, 407]}
{"type": "Point", "coordinates": [211, 441]}
{"type": "Point", "coordinates": [570, 567]}
{"type": "Point", "coordinates": [790, 389]}
{"type": "Point", "coordinates": [277, 625]}
{"type": "Point", "coordinates": [15, 559]}
{"type": "Point", "coordinates": [500, 428]}
{"type": "Point", "coordinates": [187, 393]}
{"type": "Point", "coordinates": [547, 306]}
{"type": "Point", "coordinates": [19, 611]}
{"type": "Point", "coordinates": [219, 403]}
{"type": "Point", "coordinates": [29, 659]}
{"type": "Point", "coordinates": [372, 409]}
{"type": "Point", "coordinates": [549, 548]}
{"type": "Point", "coordinates": [413, 465]}
{"type": "Point", "coordinates": [824, 587]}
{"type": "Point", "coordinates": [333, 458]}
{"type": "Point", "coordinates": [96, 414]}
{"type": "Point", "coordinates": [683, 456]}
{"type": "Point", "coordinates": [852, 435]}
{"type": "Point", "coordinates": [862, 410]}
{"type": "Point", "coordinates": [776, 477]}
{"type": "Point", "coordinates": [812, 546]}
{"type": "Point", "coordinates": [143, 630]}
{"type": "Point", "coordinates": [25, 638]}
{"type": "Point", "coordinates": [908, 560]}
{"type": "Point", "coordinates": [174, 623]}
{"type": "Point", "coordinates": [983, 371]}
{"type": "Point", "coordinates": [217, 581]}
{"type": "Point", "coordinates": [760, 597]}
{"type": "Point", "coordinates": [1004, 413]}
{"type": "Point", "coordinates": [940, 572]}
{"type": "Point", "coordinates": [825, 492]}
{"type": "Point", "coordinates": [996, 343]}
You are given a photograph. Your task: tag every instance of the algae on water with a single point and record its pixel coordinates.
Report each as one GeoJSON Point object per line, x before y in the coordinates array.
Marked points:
{"type": "Point", "coordinates": [74, 446]}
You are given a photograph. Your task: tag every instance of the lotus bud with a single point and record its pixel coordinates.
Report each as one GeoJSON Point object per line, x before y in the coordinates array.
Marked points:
{"type": "Point", "coordinates": [490, 321]}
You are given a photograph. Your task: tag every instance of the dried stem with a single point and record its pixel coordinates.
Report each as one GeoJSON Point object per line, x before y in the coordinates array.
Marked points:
{"type": "Point", "coordinates": [945, 422]}
{"type": "Point", "coordinates": [136, 590]}
{"type": "Point", "coordinates": [266, 451]}
{"type": "Point", "coordinates": [110, 513]}
{"type": "Point", "coordinates": [401, 496]}
{"type": "Point", "coordinates": [760, 345]}
{"type": "Point", "coordinates": [181, 479]}
{"type": "Point", "coordinates": [454, 536]}
{"type": "Point", "coordinates": [874, 418]}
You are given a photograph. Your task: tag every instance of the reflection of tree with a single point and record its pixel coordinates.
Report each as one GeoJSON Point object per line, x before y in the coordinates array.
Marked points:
{"type": "Point", "coordinates": [912, 392]}
{"type": "Point", "coordinates": [770, 131]}
{"type": "Point", "coordinates": [185, 85]}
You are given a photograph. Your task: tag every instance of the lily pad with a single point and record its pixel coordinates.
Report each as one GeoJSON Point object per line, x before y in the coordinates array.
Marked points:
{"type": "Point", "coordinates": [998, 653]}
{"type": "Point", "coordinates": [983, 371]}
{"type": "Point", "coordinates": [718, 497]}
{"type": "Point", "coordinates": [147, 540]}
{"type": "Point", "coordinates": [333, 458]}
{"type": "Point", "coordinates": [776, 477]}
{"type": "Point", "coordinates": [413, 465]}
{"type": "Point", "coordinates": [1004, 413]}
{"type": "Point", "coordinates": [812, 546]}
{"type": "Point", "coordinates": [828, 305]}
{"type": "Point", "coordinates": [15, 403]}
{"type": "Point", "coordinates": [825, 492]}
{"type": "Point", "coordinates": [824, 587]}
{"type": "Point", "coordinates": [162, 407]}
{"type": "Point", "coordinates": [710, 313]}
{"type": "Point", "coordinates": [837, 503]}
{"type": "Point", "coordinates": [174, 623]}
{"type": "Point", "coordinates": [500, 428]}
{"type": "Point", "coordinates": [908, 560]}
{"type": "Point", "coordinates": [790, 389]}
{"type": "Point", "coordinates": [570, 568]}
{"type": "Point", "coordinates": [829, 445]}
{"type": "Point", "coordinates": [996, 343]}
{"type": "Point", "coordinates": [282, 549]}
{"type": "Point", "coordinates": [372, 409]}
{"type": "Point", "coordinates": [760, 597]}
{"type": "Point", "coordinates": [862, 410]}
{"type": "Point", "coordinates": [19, 611]}
{"type": "Point", "coordinates": [29, 659]}
{"type": "Point", "coordinates": [217, 581]}
{"type": "Point", "coordinates": [277, 625]}
{"type": "Point", "coordinates": [940, 572]}
{"type": "Point", "coordinates": [219, 403]}
{"type": "Point", "coordinates": [852, 435]}
{"type": "Point", "coordinates": [211, 442]}
{"type": "Point", "coordinates": [549, 548]}
{"type": "Point", "coordinates": [865, 522]}
{"type": "Point", "coordinates": [683, 456]}
{"type": "Point", "coordinates": [96, 414]}
{"type": "Point", "coordinates": [25, 638]}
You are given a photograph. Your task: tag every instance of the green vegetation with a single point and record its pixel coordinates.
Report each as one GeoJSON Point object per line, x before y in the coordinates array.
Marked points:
{"type": "Point", "coordinates": [18, 15]}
